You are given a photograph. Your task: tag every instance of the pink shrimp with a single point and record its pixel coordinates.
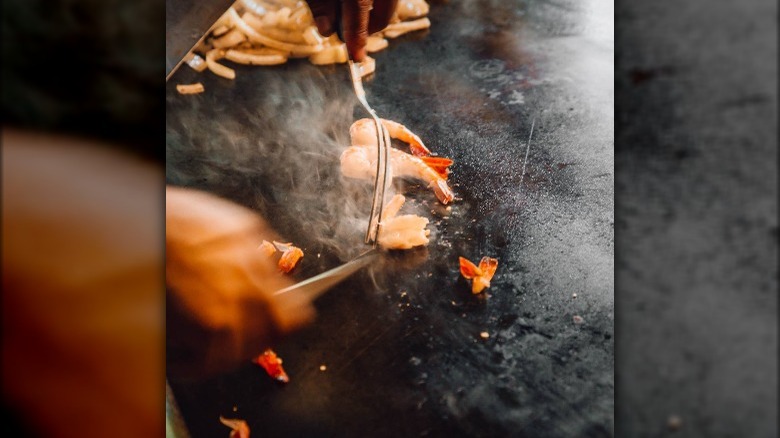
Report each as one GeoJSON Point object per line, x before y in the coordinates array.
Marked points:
{"type": "Point", "coordinates": [401, 232]}
{"type": "Point", "coordinates": [363, 132]}
{"type": "Point", "coordinates": [360, 162]}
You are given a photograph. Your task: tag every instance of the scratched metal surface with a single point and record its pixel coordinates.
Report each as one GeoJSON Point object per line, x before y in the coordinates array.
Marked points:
{"type": "Point", "coordinates": [402, 342]}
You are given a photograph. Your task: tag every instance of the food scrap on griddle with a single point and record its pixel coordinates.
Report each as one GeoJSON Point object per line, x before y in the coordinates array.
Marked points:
{"type": "Point", "coordinates": [401, 232]}
{"type": "Point", "coordinates": [240, 428]}
{"type": "Point", "coordinates": [479, 275]}
{"type": "Point", "coordinates": [290, 254]}
{"type": "Point", "coordinates": [272, 365]}
{"type": "Point", "coordinates": [195, 88]}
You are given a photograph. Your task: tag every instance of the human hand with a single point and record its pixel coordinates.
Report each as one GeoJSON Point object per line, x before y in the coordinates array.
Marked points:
{"type": "Point", "coordinates": [358, 19]}
{"type": "Point", "coordinates": [221, 304]}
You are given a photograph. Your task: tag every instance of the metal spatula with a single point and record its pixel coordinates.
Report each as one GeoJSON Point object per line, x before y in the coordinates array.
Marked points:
{"type": "Point", "coordinates": [313, 287]}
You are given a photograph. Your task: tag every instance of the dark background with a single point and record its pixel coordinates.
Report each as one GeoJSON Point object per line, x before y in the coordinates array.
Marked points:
{"type": "Point", "coordinates": [695, 203]}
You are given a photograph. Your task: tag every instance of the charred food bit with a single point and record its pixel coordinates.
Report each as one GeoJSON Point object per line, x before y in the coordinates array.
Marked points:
{"type": "Point", "coordinates": [272, 365]}
{"type": "Point", "coordinates": [481, 275]}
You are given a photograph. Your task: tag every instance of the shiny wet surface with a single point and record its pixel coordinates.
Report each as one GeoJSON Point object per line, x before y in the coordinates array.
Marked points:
{"type": "Point", "coordinates": [401, 342]}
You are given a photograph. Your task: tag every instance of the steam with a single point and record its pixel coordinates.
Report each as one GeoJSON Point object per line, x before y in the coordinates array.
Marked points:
{"type": "Point", "coordinates": [272, 142]}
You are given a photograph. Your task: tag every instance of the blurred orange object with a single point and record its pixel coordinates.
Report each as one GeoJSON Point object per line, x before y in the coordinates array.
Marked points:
{"type": "Point", "coordinates": [83, 288]}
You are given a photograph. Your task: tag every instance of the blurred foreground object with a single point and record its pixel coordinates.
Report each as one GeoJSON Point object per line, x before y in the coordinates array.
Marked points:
{"type": "Point", "coordinates": [82, 288]}
{"type": "Point", "coordinates": [221, 308]}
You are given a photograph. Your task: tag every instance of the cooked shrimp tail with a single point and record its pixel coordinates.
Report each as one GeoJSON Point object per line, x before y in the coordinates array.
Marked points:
{"type": "Point", "coordinates": [443, 192]}
{"type": "Point", "coordinates": [290, 255]}
{"type": "Point", "coordinates": [440, 164]}
{"type": "Point", "coordinates": [360, 162]}
{"type": "Point", "coordinates": [480, 276]}
{"type": "Point", "coordinates": [468, 269]}
{"type": "Point", "coordinates": [488, 265]}
{"type": "Point", "coordinates": [363, 132]}
{"type": "Point", "coordinates": [289, 259]}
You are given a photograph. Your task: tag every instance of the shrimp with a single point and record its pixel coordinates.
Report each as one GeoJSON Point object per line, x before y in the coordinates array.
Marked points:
{"type": "Point", "coordinates": [480, 276]}
{"type": "Point", "coordinates": [290, 256]}
{"type": "Point", "coordinates": [401, 232]}
{"type": "Point", "coordinates": [272, 364]}
{"type": "Point", "coordinates": [363, 132]}
{"type": "Point", "coordinates": [360, 162]}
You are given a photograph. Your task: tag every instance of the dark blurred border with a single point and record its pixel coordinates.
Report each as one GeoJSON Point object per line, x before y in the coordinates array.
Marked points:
{"type": "Point", "coordinates": [696, 209]}
{"type": "Point", "coordinates": [91, 68]}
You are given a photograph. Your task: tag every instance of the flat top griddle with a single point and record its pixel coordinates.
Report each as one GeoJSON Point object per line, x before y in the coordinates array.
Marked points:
{"type": "Point", "coordinates": [401, 340]}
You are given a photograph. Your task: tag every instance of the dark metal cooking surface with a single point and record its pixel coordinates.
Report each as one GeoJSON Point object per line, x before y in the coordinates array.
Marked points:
{"type": "Point", "coordinates": [401, 341]}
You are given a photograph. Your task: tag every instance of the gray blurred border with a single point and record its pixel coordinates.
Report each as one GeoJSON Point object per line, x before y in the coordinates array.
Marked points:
{"type": "Point", "coordinates": [696, 210]}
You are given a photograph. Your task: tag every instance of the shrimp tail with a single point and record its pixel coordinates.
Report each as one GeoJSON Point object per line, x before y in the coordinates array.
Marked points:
{"type": "Point", "coordinates": [468, 269]}
{"type": "Point", "coordinates": [439, 164]}
{"type": "Point", "coordinates": [442, 190]}
{"type": "Point", "coordinates": [289, 259]}
{"type": "Point", "coordinates": [419, 149]}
